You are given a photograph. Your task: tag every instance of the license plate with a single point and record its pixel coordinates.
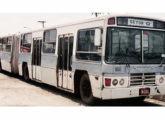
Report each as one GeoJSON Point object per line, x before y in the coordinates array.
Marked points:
{"type": "Point", "coordinates": [144, 91]}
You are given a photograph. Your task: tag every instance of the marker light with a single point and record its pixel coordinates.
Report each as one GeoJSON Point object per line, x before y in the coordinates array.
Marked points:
{"type": "Point", "coordinates": [161, 80]}
{"type": "Point", "coordinates": [115, 82]}
{"type": "Point", "coordinates": [107, 82]}
{"type": "Point", "coordinates": [121, 82]}
{"type": "Point", "coordinates": [111, 21]}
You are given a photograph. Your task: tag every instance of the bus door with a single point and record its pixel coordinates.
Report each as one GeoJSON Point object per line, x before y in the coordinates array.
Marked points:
{"type": "Point", "coordinates": [64, 69]}
{"type": "Point", "coordinates": [36, 59]}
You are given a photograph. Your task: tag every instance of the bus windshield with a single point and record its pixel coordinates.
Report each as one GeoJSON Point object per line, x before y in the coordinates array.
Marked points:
{"type": "Point", "coordinates": [124, 45]}
{"type": "Point", "coordinates": [153, 46]}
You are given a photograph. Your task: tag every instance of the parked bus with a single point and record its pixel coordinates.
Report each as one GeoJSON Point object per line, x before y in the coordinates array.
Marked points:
{"type": "Point", "coordinates": [111, 57]}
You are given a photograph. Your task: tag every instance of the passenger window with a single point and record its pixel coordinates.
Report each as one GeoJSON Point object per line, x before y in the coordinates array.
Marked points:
{"type": "Point", "coordinates": [86, 49]}
{"type": "Point", "coordinates": [5, 44]}
{"type": "Point", "coordinates": [49, 42]}
{"type": "Point", "coordinates": [26, 43]}
{"type": "Point", "coordinates": [8, 44]}
{"type": "Point", "coordinates": [1, 45]}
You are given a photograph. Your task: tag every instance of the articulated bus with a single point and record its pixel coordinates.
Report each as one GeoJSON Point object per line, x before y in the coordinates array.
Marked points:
{"type": "Point", "coordinates": [111, 57]}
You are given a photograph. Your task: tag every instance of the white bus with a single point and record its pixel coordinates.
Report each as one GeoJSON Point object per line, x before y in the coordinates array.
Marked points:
{"type": "Point", "coordinates": [111, 57]}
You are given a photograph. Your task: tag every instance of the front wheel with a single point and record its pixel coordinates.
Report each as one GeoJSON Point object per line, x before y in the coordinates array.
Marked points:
{"type": "Point", "coordinates": [86, 91]}
{"type": "Point", "coordinates": [138, 99]}
{"type": "Point", "coordinates": [141, 99]}
{"type": "Point", "coordinates": [25, 73]}
{"type": "Point", "coordinates": [0, 67]}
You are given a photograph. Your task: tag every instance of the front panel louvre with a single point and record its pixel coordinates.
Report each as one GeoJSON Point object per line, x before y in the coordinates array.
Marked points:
{"type": "Point", "coordinates": [138, 79]}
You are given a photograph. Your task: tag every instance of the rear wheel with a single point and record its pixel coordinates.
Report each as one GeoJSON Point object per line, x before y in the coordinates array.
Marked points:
{"type": "Point", "coordinates": [25, 73]}
{"type": "Point", "coordinates": [86, 91]}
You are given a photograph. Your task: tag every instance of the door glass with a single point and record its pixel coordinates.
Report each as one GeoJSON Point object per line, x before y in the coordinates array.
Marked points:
{"type": "Point", "coordinates": [65, 53]}
{"type": "Point", "coordinates": [60, 60]}
{"type": "Point", "coordinates": [36, 60]}
{"type": "Point", "coordinates": [70, 52]}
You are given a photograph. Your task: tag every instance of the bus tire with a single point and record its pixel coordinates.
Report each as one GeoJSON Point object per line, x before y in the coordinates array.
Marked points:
{"type": "Point", "coordinates": [138, 99]}
{"type": "Point", "coordinates": [141, 99]}
{"type": "Point", "coordinates": [0, 67]}
{"type": "Point", "coordinates": [86, 90]}
{"type": "Point", "coordinates": [25, 73]}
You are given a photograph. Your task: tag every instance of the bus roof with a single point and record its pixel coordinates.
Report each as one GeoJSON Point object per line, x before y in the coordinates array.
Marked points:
{"type": "Point", "coordinates": [89, 20]}
{"type": "Point", "coordinates": [95, 19]}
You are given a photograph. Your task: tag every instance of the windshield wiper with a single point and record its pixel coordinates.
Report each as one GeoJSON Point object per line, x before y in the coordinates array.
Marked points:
{"type": "Point", "coordinates": [135, 54]}
{"type": "Point", "coordinates": [162, 61]}
{"type": "Point", "coordinates": [121, 55]}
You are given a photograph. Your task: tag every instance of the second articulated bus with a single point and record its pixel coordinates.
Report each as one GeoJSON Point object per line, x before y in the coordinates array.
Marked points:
{"type": "Point", "coordinates": [110, 57]}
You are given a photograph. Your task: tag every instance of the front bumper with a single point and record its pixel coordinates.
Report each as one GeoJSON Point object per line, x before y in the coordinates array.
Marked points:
{"type": "Point", "coordinates": [119, 93]}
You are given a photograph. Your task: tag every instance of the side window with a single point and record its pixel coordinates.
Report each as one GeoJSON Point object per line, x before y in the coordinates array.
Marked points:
{"type": "Point", "coordinates": [86, 49]}
{"type": "Point", "coordinates": [5, 44]}
{"type": "Point", "coordinates": [26, 43]}
{"type": "Point", "coordinates": [49, 42]}
{"type": "Point", "coordinates": [1, 44]}
{"type": "Point", "coordinates": [8, 44]}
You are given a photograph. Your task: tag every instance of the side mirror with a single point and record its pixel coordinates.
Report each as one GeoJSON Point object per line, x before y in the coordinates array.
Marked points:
{"type": "Point", "coordinates": [97, 40]}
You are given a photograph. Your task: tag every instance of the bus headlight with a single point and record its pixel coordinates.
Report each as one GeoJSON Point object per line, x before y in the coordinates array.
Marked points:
{"type": "Point", "coordinates": [121, 82]}
{"type": "Point", "coordinates": [161, 80]}
{"type": "Point", "coordinates": [115, 82]}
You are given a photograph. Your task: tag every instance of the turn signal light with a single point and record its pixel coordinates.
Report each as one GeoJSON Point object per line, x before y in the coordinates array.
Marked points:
{"type": "Point", "coordinates": [111, 21]}
{"type": "Point", "coordinates": [107, 82]}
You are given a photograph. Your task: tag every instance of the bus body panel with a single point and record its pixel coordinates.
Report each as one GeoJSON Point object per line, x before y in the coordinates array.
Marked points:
{"type": "Point", "coordinates": [25, 58]}
{"type": "Point", "coordinates": [6, 61]}
{"type": "Point", "coordinates": [80, 65]}
{"type": "Point", "coordinates": [119, 93]}
{"type": "Point", "coordinates": [48, 76]}
{"type": "Point", "coordinates": [49, 61]}
{"type": "Point", "coordinates": [46, 72]}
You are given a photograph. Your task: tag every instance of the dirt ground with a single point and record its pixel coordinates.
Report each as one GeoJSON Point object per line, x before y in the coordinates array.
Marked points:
{"type": "Point", "coordinates": [14, 92]}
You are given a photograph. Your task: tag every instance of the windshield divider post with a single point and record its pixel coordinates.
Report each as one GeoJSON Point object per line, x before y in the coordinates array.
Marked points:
{"type": "Point", "coordinates": [142, 47]}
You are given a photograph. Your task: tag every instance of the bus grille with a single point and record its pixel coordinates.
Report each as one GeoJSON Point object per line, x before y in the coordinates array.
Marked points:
{"type": "Point", "coordinates": [137, 79]}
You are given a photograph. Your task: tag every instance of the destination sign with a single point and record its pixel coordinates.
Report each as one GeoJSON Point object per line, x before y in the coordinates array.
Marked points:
{"type": "Point", "coordinates": [141, 23]}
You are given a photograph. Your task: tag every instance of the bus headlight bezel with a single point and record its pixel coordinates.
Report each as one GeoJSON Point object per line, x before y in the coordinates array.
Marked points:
{"type": "Point", "coordinates": [121, 82]}
{"type": "Point", "coordinates": [161, 80]}
{"type": "Point", "coordinates": [114, 82]}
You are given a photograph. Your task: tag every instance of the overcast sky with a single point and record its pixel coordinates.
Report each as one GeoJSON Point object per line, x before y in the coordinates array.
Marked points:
{"type": "Point", "coordinates": [11, 23]}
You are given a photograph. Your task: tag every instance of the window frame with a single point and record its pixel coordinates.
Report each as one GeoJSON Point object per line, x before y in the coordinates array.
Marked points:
{"type": "Point", "coordinates": [5, 44]}
{"type": "Point", "coordinates": [1, 44]}
{"type": "Point", "coordinates": [22, 43]}
{"type": "Point", "coordinates": [136, 28]}
{"type": "Point", "coordinates": [9, 43]}
{"type": "Point", "coordinates": [42, 51]}
{"type": "Point", "coordinates": [128, 28]}
{"type": "Point", "coordinates": [89, 52]}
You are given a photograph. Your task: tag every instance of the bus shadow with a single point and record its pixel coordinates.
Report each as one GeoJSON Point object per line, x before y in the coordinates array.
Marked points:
{"type": "Point", "coordinates": [126, 103]}
{"type": "Point", "coordinates": [75, 98]}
